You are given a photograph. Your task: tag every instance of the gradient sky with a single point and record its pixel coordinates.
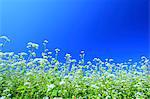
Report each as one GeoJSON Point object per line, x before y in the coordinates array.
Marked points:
{"type": "Point", "coordinates": [103, 28]}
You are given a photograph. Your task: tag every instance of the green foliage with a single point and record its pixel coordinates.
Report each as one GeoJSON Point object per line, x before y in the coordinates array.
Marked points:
{"type": "Point", "coordinates": [24, 76]}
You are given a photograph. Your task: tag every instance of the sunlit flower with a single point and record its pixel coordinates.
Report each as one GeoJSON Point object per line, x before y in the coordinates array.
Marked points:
{"type": "Point", "coordinates": [5, 38]}
{"type": "Point", "coordinates": [32, 45]}
{"type": "Point", "coordinates": [73, 60]}
{"type": "Point", "coordinates": [46, 97]}
{"type": "Point", "coordinates": [62, 83]}
{"type": "Point", "coordinates": [22, 54]}
{"type": "Point", "coordinates": [45, 41]}
{"type": "Point", "coordinates": [27, 83]}
{"type": "Point", "coordinates": [57, 98]}
{"type": "Point", "coordinates": [50, 87]}
{"type": "Point", "coordinates": [3, 97]}
{"type": "Point", "coordinates": [57, 50]}
{"type": "Point", "coordinates": [94, 86]}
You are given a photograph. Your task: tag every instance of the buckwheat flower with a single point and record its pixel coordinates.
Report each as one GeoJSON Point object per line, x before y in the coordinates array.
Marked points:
{"type": "Point", "coordinates": [67, 56]}
{"type": "Point", "coordinates": [76, 85]}
{"type": "Point", "coordinates": [62, 83]}
{"type": "Point", "coordinates": [111, 76]}
{"type": "Point", "coordinates": [123, 81]}
{"type": "Point", "coordinates": [99, 95]}
{"type": "Point", "coordinates": [71, 77]}
{"type": "Point", "coordinates": [73, 60]}
{"type": "Point", "coordinates": [5, 38]}
{"type": "Point", "coordinates": [94, 86]}
{"type": "Point", "coordinates": [87, 83]}
{"type": "Point", "coordinates": [130, 60]}
{"type": "Point", "coordinates": [46, 50]}
{"type": "Point", "coordinates": [22, 54]}
{"type": "Point", "coordinates": [40, 60]}
{"type": "Point", "coordinates": [96, 59]}
{"type": "Point", "coordinates": [57, 98]}
{"type": "Point", "coordinates": [29, 73]}
{"type": "Point", "coordinates": [2, 64]}
{"type": "Point", "coordinates": [82, 54]}
{"type": "Point", "coordinates": [29, 45]}
{"type": "Point", "coordinates": [27, 83]}
{"type": "Point", "coordinates": [66, 77]}
{"type": "Point", "coordinates": [46, 97]}
{"type": "Point", "coordinates": [110, 60]}
{"type": "Point", "coordinates": [144, 67]}
{"type": "Point", "coordinates": [45, 41]}
{"type": "Point", "coordinates": [1, 54]}
{"type": "Point", "coordinates": [35, 46]}
{"type": "Point", "coordinates": [19, 63]}
{"type": "Point", "coordinates": [33, 54]}
{"type": "Point", "coordinates": [57, 63]}
{"type": "Point", "coordinates": [50, 87]}
{"type": "Point", "coordinates": [43, 54]}
{"type": "Point", "coordinates": [138, 94]}
{"type": "Point", "coordinates": [57, 50]}
{"type": "Point", "coordinates": [9, 95]}
{"type": "Point", "coordinates": [108, 97]}
{"type": "Point", "coordinates": [3, 97]}
{"type": "Point", "coordinates": [89, 63]}
{"type": "Point", "coordinates": [1, 45]}
{"type": "Point", "coordinates": [30, 63]}
{"type": "Point", "coordinates": [32, 45]}
{"type": "Point", "coordinates": [143, 58]}
{"type": "Point", "coordinates": [49, 53]}
{"type": "Point", "coordinates": [10, 54]}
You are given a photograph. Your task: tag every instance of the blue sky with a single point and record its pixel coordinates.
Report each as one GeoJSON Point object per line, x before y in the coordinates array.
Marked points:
{"type": "Point", "coordinates": [103, 28]}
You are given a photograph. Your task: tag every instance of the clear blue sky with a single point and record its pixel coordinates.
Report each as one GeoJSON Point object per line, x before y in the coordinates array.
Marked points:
{"type": "Point", "coordinates": [103, 28]}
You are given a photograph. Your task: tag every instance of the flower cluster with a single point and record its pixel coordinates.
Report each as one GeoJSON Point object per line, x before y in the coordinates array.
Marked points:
{"type": "Point", "coordinates": [25, 76]}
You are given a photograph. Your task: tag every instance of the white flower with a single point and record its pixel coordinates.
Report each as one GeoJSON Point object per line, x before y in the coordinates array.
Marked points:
{"type": "Point", "coordinates": [66, 77]}
{"type": "Point", "coordinates": [2, 64]}
{"type": "Point", "coordinates": [139, 94]}
{"type": "Point", "coordinates": [22, 54]}
{"type": "Point", "coordinates": [108, 97]}
{"type": "Point", "coordinates": [50, 87]}
{"type": "Point", "coordinates": [9, 53]}
{"type": "Point", "coordinates": [62, 83]}
{"type": "Point", "coordinates": [57, 63]}
{"type": "Point", "coordinates": [67, 56]}
{"type": "Point", "coordinates": [89, 63]}
{"type": "Point", "coordinates": [94, 86]}
{"type": "Point", "coordinates": [32, 45]}
{"type": "Point", "coordinates": [45, 41]}
{"type": "Point", "coordinates": [87, 83]}
{"type": "Point", "coordinates": [40, 60]}
{"type": "Point", "coordinates": [111, 76]}
{"type": "Point", "coordinates": [49, 53]}
{"type": "Point", "coordinates": [30, 63]}
{"type": "Point", "coordinates": [1, 54]}
{"type": "Point", "coordinates": [46, 97]}
{"type": "Point", "coordinates": [9, 95]}
{"type": "Point", "coordinates": [57, 98]}
{"type": "Point", "coordinates": [29, 73]}
{"type": "Point", "coordinates": [110, 60]}
{"type": "Point", "coordinates": [57, 50]}
{"type": "Point", "coordinates": [99, 95]}
{"type": "Point", "coordinates": [73, 60]}
{"type": "Point", "coordinates": [5, 38]}
{"type": "Point", "coordinates": [33, 54]}
{"type": "Point", "coordinates": [130, 60]}
{"type": "Point", "coordinates": [3, 97]}
{"type": "Point", "coordinates": [27, 83]}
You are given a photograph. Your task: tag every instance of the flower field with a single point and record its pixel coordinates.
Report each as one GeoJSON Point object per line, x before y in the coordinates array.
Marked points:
{"type": "Point", "coordinates": [26, 76]}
